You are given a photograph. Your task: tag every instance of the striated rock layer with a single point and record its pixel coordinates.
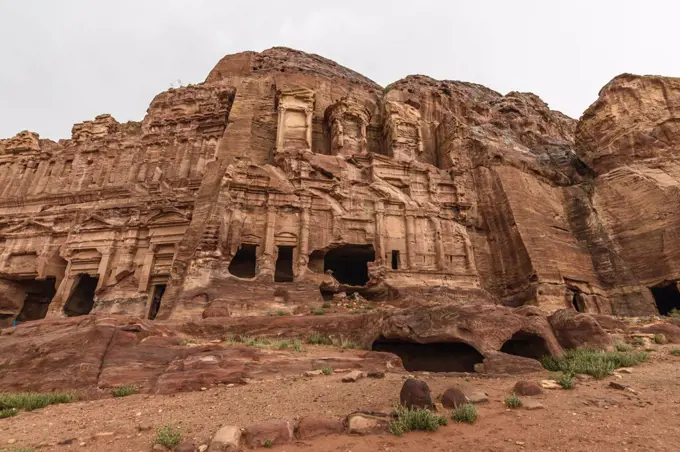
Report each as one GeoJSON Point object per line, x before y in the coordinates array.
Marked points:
{"type": "Point", "coordinates": [285, 178]}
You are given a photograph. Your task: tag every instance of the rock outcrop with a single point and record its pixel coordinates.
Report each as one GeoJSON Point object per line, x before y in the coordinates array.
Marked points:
{"type": "Point", "coordinates": [285, 177]}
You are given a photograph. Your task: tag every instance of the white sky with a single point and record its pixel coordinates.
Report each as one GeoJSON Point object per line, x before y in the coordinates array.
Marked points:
{"type": "Point", "coordinates": [67, 61]}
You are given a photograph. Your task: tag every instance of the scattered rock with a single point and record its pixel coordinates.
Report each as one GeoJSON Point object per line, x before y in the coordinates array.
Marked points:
{"type": "Point", "coordinates": [186, 446]}
{"type": "Point", "coordinates": [619, 386]}
{"type": "Point", "coordinates": [313, 373]}
{"type": "Point", "coordinates": [143, 426]}
{"type": "Point", "coordinates": [527, 388]}
{"type": "Point", "coordinates": [415, 394]}
{"type": "Point", "coordinates": [11, 441]}
{"type": "Point", "coordinates": [453, 397]}
{"type": "Point", "coordinates": [310, 427]}
{"type": "Point", "coordinates": [352, 376]}
{"type": "Point", "coordinates": [477, 397]}
{"type": "Point", "coordinates": [376, 374]}
{"type": "Point", "coordinates": [274, 431]}
{"type": "Point", "coordinates": [502, 363]}
{"type": "Point", "coordinates": [202, 448]}
{"type": "Point", "coordinates": [625, 370]}
{"type": "Point", "coordinates": [158, 447]}
{"type": "Point", "coordinates": [550, 384]}
{"type": "Point", "coordinates": [227, 438]}
{"type": "Point", "coordinates": [364, 423]}
{"type": "Point", "coordinates": [530, 404]}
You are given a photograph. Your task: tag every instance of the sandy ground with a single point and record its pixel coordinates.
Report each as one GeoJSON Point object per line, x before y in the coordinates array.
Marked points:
{"type": "Point", "coordinates": [592, 417]}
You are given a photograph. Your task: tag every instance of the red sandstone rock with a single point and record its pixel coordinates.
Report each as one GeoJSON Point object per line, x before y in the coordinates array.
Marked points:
{"type": "Point", "coordinates": [527, 388]}
{"type": "Point", "coordinates": [501, 363]}
{"type": "Point", "coordinates": [453, 397]}
{"type": "Point", "coordinates": [574, 330]}
{"type": "Point", "coordinates": [274, 433]}
{"type": "Point", "coordinates": [415, 394]}
{"type": "Point", "coordinates": [311, 427]}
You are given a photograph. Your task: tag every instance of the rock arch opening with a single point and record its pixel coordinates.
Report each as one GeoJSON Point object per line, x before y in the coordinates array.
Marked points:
{"type": "Point", "coordinates": [434, 357]}
{"type": "Point", "coordinates": [577, 301]}
{"type": "Point", "coordinates": [244, 263]}
{"type": "Point", "coordinates": [349, 263]}
{"type": "Point", "coordinates": [527, 345]}
{"type": "Point", "coordinates": [37, 298]}
{"type": "Point", "coordinates": [81, 300]}
{"type": "Point", "coordinates": [666, 297]}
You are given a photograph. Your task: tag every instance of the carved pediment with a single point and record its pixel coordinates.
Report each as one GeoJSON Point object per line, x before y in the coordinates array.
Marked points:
{"type": "Point", "coordinates": [29, 227]}
{"type": "Point", "coordinates": [94, 222]}
{"type": "Point", "coordinates": [166, 216]}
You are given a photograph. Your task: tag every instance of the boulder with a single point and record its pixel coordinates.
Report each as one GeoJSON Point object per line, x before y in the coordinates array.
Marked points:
{"type": "Point", "coordinates": [502, 363]}
{"type": "Point", "coordinates": [363, 423]}
{"type": "Point", "coordinates": [274, 432]}
{"type": "Point", "coordinates": [415, 394]}
{"type": "Point", "coordinates": [573, 330]}
{"type": "Point", "coordinates": [453, 397]}
{"type": "Point", "coordinates": [352, 376]}
{"type": "Point", "coordinates": [311, 427]}
{"type": "Point", "coordinates": [226, 439]}
{"type": "Point", "coordinates": [670, 331]}
{"type": "Point", "coordinates": [527, 388]}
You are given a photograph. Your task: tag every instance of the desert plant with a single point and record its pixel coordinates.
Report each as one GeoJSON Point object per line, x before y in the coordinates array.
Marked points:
{"type": "Point", "coordinates": [297, 345]}
{"type": "Point", "coordinates": [184, 342]}
{"type": "Point", "coordinates": [566, 380]}
{"type": "Point", "coordinates": [623, 347]}
{"type": "Point", "coordinates": [597, 363]}
{"type": "Point", "coordinates": [8, 412]}
{"type": "Point", "coordinates": [407, 420]}
{"type": "Point", "coordinates": [349, 343]}
{"type": "Point", "coordinates": [327, 370]}
{"type": "Point", "coordinates": [660, 339]}
{"type": "Point", "coordinates": [675, 352]}
{"type": "Point", "coordinates": [512, 401]}
{"type": "Point", "coordinates": [34, 400]}
{"type": "Point", "coordinates": [318, 311]}
{"type": "Point", "coordinates": [268, 444]}
{"type": "Point", "coordinates": [675, 312]}
{"type": "Point", "coordinates": [125, 390]}
{"type": "Point", "coordinates": [638, 341]}
{"type": "Point", "coordinates": [168, 436]}
{"type": "Point", "coordinates": [466, 412]}
{"type": "Point", "coordinates": [326, 305]}
{"type": "Point", "coordinates": [283, 345]}
{"type": "Point", "coordinates": [281, 312]}
{"type": "Point", "coordinates": [319, 339]}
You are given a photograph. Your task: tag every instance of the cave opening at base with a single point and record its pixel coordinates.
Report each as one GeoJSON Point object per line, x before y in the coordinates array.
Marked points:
{"type": "Point", "coordinates": [434, 357]}
{"type": "Point", "coordinates": [577, 301]}
{"type": "Point", "coordinates": [349, 263]}
{"type": "Point", "coordinates": [283, 272]}
{"type": "Point", "coordinates": [527, 345]}
{"type": "Point", "coordinates": [81, 300]}
{"type": "Point", "coordinates": [666, 297]}
{"type": "Point", "coordinates": [37, 298]}
{"type": "Point", "coordinates": [244, 263]}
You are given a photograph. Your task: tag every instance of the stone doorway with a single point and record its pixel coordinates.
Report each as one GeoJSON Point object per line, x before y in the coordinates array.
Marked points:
{"type": "Point", "coordinates": [349, 263]}
{"type": "Point", "coordinates": [157, 295]}
{"type": "Point", "coordinates": [527, 345]}
{"type": "Point", "coordinates": [284, 264]}
{"type": "Point", "coordinates": [37, 298]}
{"type": "Point", "coordinates": [435, 357]}
{"type": "Point", "coordinates": [577, 301]}
{"type": "Point", "coordinates": [244, 263]}
{"type": "Point", "coordinates": [81, 300]}
{"type": "Point", "coordinates": [666, 297]}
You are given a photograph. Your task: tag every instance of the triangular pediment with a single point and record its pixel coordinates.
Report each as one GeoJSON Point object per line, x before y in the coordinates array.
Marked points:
{"type": "Point", "coordinates": [94, 222]}
{"type": "Point", "coordinates": [29, 227]}
{"type": "Point", "coordinates": [166, 216]}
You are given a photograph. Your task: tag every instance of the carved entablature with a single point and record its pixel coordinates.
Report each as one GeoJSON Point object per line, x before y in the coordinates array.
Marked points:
{"type": "Point", "coordinates": [347, 121]}
{"type": "Point", "coordinates": [402, 133]}
{"type": "Point", "coordinates": [23, 143]}
{"type": "Point", "coordinates": [294, 131]}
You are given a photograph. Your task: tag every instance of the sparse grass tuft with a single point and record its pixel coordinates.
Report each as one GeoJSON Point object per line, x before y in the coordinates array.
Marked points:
{"type": "Point", "coordinates": [297, 345]}
{"type": "Point", "coordinates": [349, 343]}
{"type": "Point", "coordinates": [596, 363]}
{"type": "Point", "coordinates": [8, 412]}
{"type": "Point", "coordinates": [566, 380]}
{"type": "Point", "coordinates": [327, 370]}
{"type": "Point", "coordinates": [623, 347]}
{"type": "Point", "coordinates": [185, 342]}
{"type": "Point", "coordinates": [319, 339]}
{"type": "Point", "coordinates": [283, 345]}
{"type": "Point", "coordinates": [125, 390]}
{"type": "Point", "coordinates": [407, 420]}
{"type": "Point", "coordinates": [33, 400]}
{"type": "Point", "coordinates": [168, 436]}
{"type": "Point", "coordinates": [326, 305]}
{"type": "Point", "coordinates": [268, 444]}
{"type": "Point", "coordinates": [660, 339]}
{"type": "Point", "coordinates": [318, 311]}
{"type": "Point", "coordinates": [513, 401]}
{"type": "Point", "coordinates": [675, 312]}
{"type": "Point", "coordinates": [281, 313]}
{"type": "Point", "coordinates": [675, 352]}
{"type": "Point", "coordinates": [638, 341]}
{"type": "Point", "coordinates": [466, 412]}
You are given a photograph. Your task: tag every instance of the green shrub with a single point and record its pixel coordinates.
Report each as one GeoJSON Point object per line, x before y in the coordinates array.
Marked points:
{"type": "Point", "coordinates": [326, 305]}
{"type": "Point", "coordinates": [623, 347]}
{"type": "Point", "coordinates": [168, 436]}
{"type": "Point", "coordinates": [660, 339]}
{"type": "Point", "coordinates": [125, 390]}
{"type": "Point", "coordinates": [34, 400]}
{"type": "Point", "coordinates": [185, 342]}
{"type": "Point", "coordinates": [327, 370]}
{"type": "Point", "coordinates": [319, 339]}
{"type": "Point", "coordinates": [407, 420]}
{"type": "Point", "coordinates": [281, 312]}
{"type": "Point", "coordinates": [566, 381]}
{"type": "Point", "coordinates": [8, 412]}
{"type": "Point", "coordinates": [297, 345]}
{"type": "Point", "coordinates": [283, 345]}
{"type": "Point", "coordinates": [638, 341]}
{"type": "Point", "coordinates": [348, 343]}
{"type": "Point", "coordinates": [466, 412]}
{"type": "Point", "coordinates": [675, 351]}
{"type": "Point", "coordinates": [318, 311]}
{"type": "Point", "coordinates": [675, 312]}
{"type": "Point", "coordinates": [587, 361]}
{"type": "Point", "coordinates": [268, 444]}
{"type": "Point", "coordinates": [513, 401]}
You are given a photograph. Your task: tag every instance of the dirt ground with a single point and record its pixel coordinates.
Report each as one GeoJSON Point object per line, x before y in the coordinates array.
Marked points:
{"type": "Point", "coordinates": [592, 417]}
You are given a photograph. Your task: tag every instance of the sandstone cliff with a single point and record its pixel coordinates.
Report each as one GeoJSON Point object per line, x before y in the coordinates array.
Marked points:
{"type": "Point", "coordinates": [285, 178]}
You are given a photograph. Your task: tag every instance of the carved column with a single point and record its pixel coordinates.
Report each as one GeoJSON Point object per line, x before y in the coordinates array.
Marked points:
{"type": "Point", "coordinates": [411, 240]}
{"type": "Point", "coordinates": [303, 238]}
{"type": "Point", "coordinates": [308, 136]}
{"type": "Point", "coordinates": [146, 268]}
{"type": "Point", "coordinates": [280, 128]}
{"type": "Point", "coordinates": [438, 243]}
{"type": "Point", "coordinates": [379, 232]}
{"type": "Point", "coordinates": [103, 269]}
{"type": "Point", "coordinates": [56, 307]}
{"type": "Point", "coordinates": [266, 261]}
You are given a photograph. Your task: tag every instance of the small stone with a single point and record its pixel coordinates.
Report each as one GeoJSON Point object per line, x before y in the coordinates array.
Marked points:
{"type": "Point", "coordinates": [275, 432]}
{"type": "Point", "coordinates": [453, 397]}
{"type": "Point", "coordinates": [550, 384]}
{"type": "Point", "coordinates": [519, 443]}
{"type": "Point", "coordinates": [625, 370]}
{"type": "Point", "coordinates": [364, 424]}
{"type": "Point", "coordinates": [159, 447]}
{"type": "Point", "coordinates": [619, 386]}
{"type": "Point", "coordinates": [530, 404]}
{"type": "Point", "coordinates": [415, 394]}
{"type": "Point", "coordinates": [313, 373]}
{"type": "Point", "coordinates": [310, 427]}
{"type": "Point", "coordinates": [11, 441]}
{"type": "Point", "coordinates": [138, 413]}
{"type": "Point", "coordinates": [103, 434]}
{"type": "Point", "coordinates": [83, 444]}
{"type": "Point", "coordinates": [143, 426]}
{"type": "Point", "coordinates": [227, 438]}
{"type": "Point", "coordinates": [204, 389]}
{"type": "Point", "coordinates": [477, 397]}
{"type": "Point", "coordinates": [202, 448]}
{"type": "Point", "coordinates": [376, 374]}
{"type": "Point", "coordinates": [352, 376]}
{"type": "Point", "coordinates": [527, 388]}
{"type": "Point", "coordinates": [186, 446]}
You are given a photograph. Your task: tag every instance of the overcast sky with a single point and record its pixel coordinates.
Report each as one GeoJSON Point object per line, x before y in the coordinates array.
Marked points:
{"type": "Point", "coordinates": [67, 61]}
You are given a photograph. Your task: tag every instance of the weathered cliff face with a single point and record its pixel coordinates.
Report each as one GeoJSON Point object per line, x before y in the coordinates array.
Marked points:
{"type": "Point", "coordinates": [285, 178]}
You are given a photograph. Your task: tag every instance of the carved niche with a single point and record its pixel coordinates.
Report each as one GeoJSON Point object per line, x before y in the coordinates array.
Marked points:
{"type": "Point", "coordinates": [294, 131]}
{"type": "Point", "coordinates": [347, 121]}
{"type": "Point", "coordinates": [402, 133]}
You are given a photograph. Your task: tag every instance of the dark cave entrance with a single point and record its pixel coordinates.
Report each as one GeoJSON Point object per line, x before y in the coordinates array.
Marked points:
{"type": "Point", "coordinates": [349, 263]}
{"type": "Point", "coordinates": [244, 263]}
{"type": "Point", "coordinates": [158, 291]}
{"type": "Point", "coordinates": [37, 298]}
{"type": "Point", "coordinates": [81, 300]}
{"type": "Point", "coordinates": [527, 345]}
{"type": "Point", "coordinates": [577, 301]}
{"type": "Point", "coordinates": [284, 265]}
{"type": "Point", "coordinates": [666, 297]}
{"type": "Point", "coordinates": [395, 259]}
{"type": "Point", "coordinates": [435, 357]}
